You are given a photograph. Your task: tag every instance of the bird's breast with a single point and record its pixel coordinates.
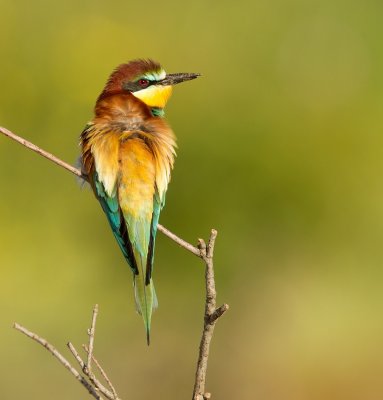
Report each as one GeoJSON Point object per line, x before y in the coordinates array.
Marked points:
{"type": "Point", "coordinates": [134, 156]}
{"type": "Point", "coordinates": [137, 178]}
{"type": "Point", "coordinates": [124, 155]}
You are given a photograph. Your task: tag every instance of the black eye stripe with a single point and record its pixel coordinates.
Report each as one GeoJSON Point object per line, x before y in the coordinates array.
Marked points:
{"type": "Point", "coordinates": [135, 86]}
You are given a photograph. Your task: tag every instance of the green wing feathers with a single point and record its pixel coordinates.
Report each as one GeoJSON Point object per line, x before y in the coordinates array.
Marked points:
{"type": "Point", "coordinates": [113, 212]}
{"type": "Point", "coordinates": [135, 236]}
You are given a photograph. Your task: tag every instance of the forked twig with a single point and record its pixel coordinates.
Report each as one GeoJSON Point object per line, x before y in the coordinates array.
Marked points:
{"type": "Point", "coordinates": [59, 357]}
{"type": "Point", "coordinates": [102, 372]}
{"type": "Point", "coordinates": [88, 379]}
{"type": "Point", "coordinates": [210, 317]}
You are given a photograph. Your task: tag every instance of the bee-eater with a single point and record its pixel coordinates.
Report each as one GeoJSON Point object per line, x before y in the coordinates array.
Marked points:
{"type": "Point", "coordinates": [127, 153]}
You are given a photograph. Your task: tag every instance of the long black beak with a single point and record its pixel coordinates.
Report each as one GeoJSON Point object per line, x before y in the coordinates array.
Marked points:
{"type": "Point", "coordinates": [173, 79]}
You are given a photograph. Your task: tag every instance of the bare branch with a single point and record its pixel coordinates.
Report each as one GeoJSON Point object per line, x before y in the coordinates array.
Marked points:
{"type": "Point", "coordinates": [210, 318]}
{"type": "Point", "coordinates": [91, 332]}
{"type": "Point", "coordinates": [59, 357]}
{"type": "Point", "coordinates": [202, 248]}
{"type": "Point", "coordinates": [99, 386]}
{"type": "Point", "coordinates": [42, 152]}
{"type": "Point", "coordinates": [211, 314]}
{"type": "Point", "coordinates": [85, 366]}
{"type": "Point", "coordinates": [78, 173]}
{"type": "Point", "coordinates": [211, 243]}
{"type": "Point", "coordinates": [76, 355]}
{"type": "Point", "coordinates": [179, 241]}
{"type": "Point", "coordinates": [94, 385]}
{"type": "Point", "coordinates": [103, 373]}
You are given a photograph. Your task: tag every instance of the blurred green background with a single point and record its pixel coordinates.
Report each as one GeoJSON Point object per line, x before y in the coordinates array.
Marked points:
{"type": "Point", "coordinates": [280, 149]}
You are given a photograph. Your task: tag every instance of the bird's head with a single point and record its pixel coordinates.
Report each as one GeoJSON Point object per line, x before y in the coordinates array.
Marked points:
{"type": "Point", "coordinates": [146, 80]}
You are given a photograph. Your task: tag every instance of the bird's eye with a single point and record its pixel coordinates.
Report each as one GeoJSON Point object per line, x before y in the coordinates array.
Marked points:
{"type": "Point", "coordinates": [143, 83]}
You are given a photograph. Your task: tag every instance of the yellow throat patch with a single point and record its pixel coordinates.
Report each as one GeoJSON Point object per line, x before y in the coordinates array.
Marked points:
{"type": "Point", "coordinates": [154, 96]}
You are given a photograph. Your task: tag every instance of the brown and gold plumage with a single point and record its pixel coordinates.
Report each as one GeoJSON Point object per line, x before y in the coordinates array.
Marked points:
{"type": "Point", "coordinates": [128, 153]}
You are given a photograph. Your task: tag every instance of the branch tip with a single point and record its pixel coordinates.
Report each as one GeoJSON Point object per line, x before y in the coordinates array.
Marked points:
{"type": "Point", "coordinates": [201, 244]}
{"type": "Point", "coordinates": [91, 332]}
{"type": "Point", "coordinates": [217, 313]}
{"type": "Point", "coordinates": [211, 243]}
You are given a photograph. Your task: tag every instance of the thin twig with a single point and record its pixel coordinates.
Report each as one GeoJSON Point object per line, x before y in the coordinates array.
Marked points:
{"type": "Point", "coordinates": [103, 373]}
{"type": "Point", "coordinates": [218, 313]}
{"type": "Point", "coordinates": [85, 366]}
{"type": "Point", "coordinates": [59, 357]}
{"type": "Point", "coordinates": [76, 355]}
{"type": "Point", "coordinates": [99, 386]}
{"type": "Point", "coordinates": [179, 241]}
{"type": "Point", "coordinates": [94, 385]}
{"type": "Point", "coordinates": [91, 332]}
{"type": "Point", "coordinates": [78, 173]}
{"type": "Point", "coordinates": [42, 152]}
{"type": "Point", "coordinates": [210, 318]}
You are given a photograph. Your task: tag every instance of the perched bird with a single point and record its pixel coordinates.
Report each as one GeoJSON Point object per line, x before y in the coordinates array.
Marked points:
{"type": "Point", "coordinates": [127, 152]}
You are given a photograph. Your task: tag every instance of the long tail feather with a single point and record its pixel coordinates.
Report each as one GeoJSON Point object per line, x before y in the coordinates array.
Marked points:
{"type": "Point", "coordinates": [146, 301]}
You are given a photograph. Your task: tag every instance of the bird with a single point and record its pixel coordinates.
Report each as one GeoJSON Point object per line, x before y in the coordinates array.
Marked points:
{"type": "Point", "coordinates": [127, 155]}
